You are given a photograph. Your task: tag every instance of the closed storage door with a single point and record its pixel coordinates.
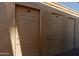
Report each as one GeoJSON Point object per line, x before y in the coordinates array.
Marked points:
{"type": "Point", "coordinates": [55, 34]}
{"type": "Point", "coordinates": [28, 26]}
{"type": "Point", "coordinates": [70, 40]}
{"type": "Point", "coordinates": [69, 34]}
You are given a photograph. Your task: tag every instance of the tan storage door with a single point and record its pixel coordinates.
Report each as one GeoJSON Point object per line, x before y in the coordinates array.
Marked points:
{"type": "Point", "coordinates": [70, 40]}
{"type": "Point", "coordinates": [28, 26]}
{"type": "Point", "coordinates": [55, 38]}
{"type": "Point", "coordinates": [68, 34]}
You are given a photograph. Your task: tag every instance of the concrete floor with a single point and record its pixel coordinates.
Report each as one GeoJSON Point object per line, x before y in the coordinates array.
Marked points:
{"type": "Point", "coordinates": [73, 52]}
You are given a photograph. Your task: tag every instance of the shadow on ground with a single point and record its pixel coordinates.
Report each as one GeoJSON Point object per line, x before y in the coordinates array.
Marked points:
{"type": "Point", "coordinates": [73, 52]}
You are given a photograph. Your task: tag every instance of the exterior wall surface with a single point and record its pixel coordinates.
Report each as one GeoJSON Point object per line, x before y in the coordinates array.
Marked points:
{"type": "Point", "coordinates": [8, 34]}
{"type": "Point", "coordinates": [77, 33]}
{"type": "Point", "coordinates": [5, 24]}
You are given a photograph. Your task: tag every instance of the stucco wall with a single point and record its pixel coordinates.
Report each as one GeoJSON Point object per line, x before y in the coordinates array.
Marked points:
{"type": "Point", "coordinates": [7, 22]}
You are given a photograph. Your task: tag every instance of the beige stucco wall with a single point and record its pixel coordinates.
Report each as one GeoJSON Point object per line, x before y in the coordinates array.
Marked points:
{"type": "Point", "coordinates": [7, 21]}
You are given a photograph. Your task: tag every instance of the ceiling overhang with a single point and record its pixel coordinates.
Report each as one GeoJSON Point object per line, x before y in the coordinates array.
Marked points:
{"type": "Point", "coordinates": [61, 8]}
